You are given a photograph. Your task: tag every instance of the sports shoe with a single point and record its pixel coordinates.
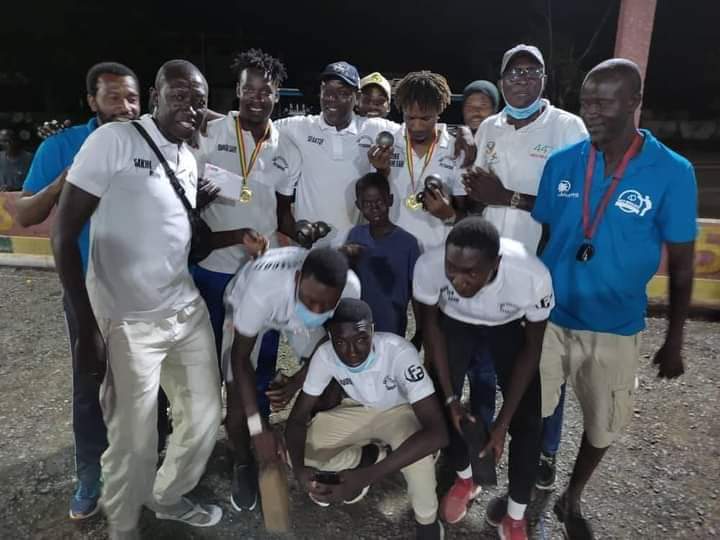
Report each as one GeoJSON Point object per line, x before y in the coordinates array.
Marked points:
{"type": "Point", "coordinates": [496, 510]}
{"type": "Point", "coordinates": [244, 487]}
{"type": "Point", "coordinates": [512, 529]}
{"type": "Point", "coordinates": [190, 513]}
{"type": "Point", "coordinates": [84, 502]}
{"type": "Point", "coordinates": [546, 472]}
{"type": "Point", "coordinates": [432, 531]}
{"type": "Point", "coordinates": [455, 504]}
{"type": "Point", "coordinates": [574, 525]}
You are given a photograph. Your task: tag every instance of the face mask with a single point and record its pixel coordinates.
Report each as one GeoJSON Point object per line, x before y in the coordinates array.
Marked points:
{"type": "Point", "coordinates": [369, 361]}
{"type": "Point", "coordinates": [309, 318]}
{"type": "Point", "coordinates": [526, 112]}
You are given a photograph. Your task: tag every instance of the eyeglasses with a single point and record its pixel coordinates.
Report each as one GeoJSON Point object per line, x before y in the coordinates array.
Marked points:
{"type": "Point", "coordinates": [532, 74]}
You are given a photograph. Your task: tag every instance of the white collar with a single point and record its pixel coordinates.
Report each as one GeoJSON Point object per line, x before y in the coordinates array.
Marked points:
{"type": "Point", "coordinates": [158, 138]}
{"type": "Point", "coordinates": [352, 127]}
{"type": "Point", "coordinates": [230, 119]}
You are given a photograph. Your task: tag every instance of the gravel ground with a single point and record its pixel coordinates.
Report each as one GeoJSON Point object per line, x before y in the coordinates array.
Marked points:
{"type": "Point", "coordinates": [661, 480]}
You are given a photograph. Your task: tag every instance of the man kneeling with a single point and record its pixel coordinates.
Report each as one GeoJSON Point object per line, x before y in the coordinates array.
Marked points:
{"type": "Point", "coordinates": [391, 399]}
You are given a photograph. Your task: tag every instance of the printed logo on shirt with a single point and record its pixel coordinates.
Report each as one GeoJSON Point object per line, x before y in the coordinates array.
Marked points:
{"type": "Point", "coordinates": [278, 265]}
{"type": "Point", "coordinates": [490, 152]}
{"type": "Point", "coordinates": [141, 163]}
{"type": "Point", "coordinates": [507, 307]}
{"type": "Point", "coordinates": [541, 151]}
{"type": "Point", "coordinates": [563, 190]}
{"type": "Point", "coordinates": [449, 294]}
{"type": "Point", "coordinates": [447, 162]}
{"type": "Point", "coordinates": [364, 142]}
{"type": "Point", "coordinates": [631, 201]}
{"type": "Point", "coordinates": [390, 383]}
{"type": "Point", "coordinates": [545, 302]}
{"type": "Point", "coordinates": [398, 158]}
{"type": "Point", "coordinates": [315, 140]}
{"type": "Point", "coordinates": [227, 148]}
{"type": "Point", "coordinates": [414, 373]}
{"type": "Point", "coordinates": [346, 381]}
{"type": "Point", "coordinates": [280, 162]}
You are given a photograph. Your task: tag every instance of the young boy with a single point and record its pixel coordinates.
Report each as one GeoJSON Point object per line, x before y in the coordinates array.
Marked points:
{"type": "Point", "coordinates": [386, 261]}
{"type": "Point", "coordinates": [391, 399]}
{"type": "Point", "coordinates": [481, 292]}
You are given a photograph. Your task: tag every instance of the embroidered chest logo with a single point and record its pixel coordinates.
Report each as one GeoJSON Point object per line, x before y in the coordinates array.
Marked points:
{"type": "Point", "coordinates": [346, 382]}
{"type": "Point", "coordinates": [447, 162]}
{"type": "Point", "coordinates": [563, 190]}
{"type": "Point", "coordinates": [541, 151]}
{"type": "Point", "coordinates": [398, 157]}
{"type": "Point", "coordinates": [141, 163]}
{"type": "Point", "coordinates": [490, 152]}
{"type": "Point", "coordinates": [280, 162]}
{"type": "Point", "coordinates": [364, 142]}
{"type": "Point", "coordinates": [507, 307]}
{"type": "Point", "coordinates": [449, 294]}
{"type": "Point", "coordinates": [315, 140]}
{"type": "Point", "coordinates": [414, 373]}
{"type": "Point", "coordinates": [390, 383]}
{"type": "Point", "coordinates": [632, 201]}
{"type": "Point", "coordinates": [227, 148]}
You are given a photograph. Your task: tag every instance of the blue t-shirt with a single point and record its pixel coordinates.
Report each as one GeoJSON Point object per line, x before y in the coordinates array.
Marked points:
{"type": "Point", "coordinates": [385, 268]}
{"type": "Point", "coordinates": [53, 156]}
{"type": "Point", "coordinates": [654, 203]}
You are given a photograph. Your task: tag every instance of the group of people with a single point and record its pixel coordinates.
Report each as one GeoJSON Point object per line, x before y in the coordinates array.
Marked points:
{"type": "Point", "coordinates": [522, 242]}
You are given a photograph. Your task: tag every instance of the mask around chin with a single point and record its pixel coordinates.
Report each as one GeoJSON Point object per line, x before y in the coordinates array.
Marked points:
{"type": "Point", "coordinates": [369, 361]}
{"type": "Point", "coordinates": [309, 318]}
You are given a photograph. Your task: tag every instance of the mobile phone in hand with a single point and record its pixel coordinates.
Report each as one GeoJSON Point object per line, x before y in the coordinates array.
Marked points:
{"type": "Point", "coordinates": [329, 478]}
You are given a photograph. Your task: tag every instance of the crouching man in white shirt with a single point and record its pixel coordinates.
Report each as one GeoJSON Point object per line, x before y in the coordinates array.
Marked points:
{"type": "Point", "coordinates": [390, 399]}
{"type": "Point", "coordinates": [288, 289]}
{"type": "Point", "coordinates": [141, 321]}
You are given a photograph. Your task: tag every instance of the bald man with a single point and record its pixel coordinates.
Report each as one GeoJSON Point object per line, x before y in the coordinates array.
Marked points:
{"type": "Point", "coordinates": [609, 204]}
{"type": "Point", "coordinates": [141, 321]}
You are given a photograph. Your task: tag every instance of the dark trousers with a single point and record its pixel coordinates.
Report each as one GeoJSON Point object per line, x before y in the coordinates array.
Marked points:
{"type": "Point", "coordinates": [89, 429]}
{"type": "Point", "coordinates": [483, 384]}
{"type": "Point", "coordinates": [465, 343]}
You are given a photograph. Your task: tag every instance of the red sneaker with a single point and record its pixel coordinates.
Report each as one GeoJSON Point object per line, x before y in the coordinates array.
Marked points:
{"type": "Point", "coordinates": [513, 529]}
{"type": "Point", "coordinates": [455, 504]}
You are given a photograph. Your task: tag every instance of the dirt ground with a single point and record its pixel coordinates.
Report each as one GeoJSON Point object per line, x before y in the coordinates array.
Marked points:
{"type": "Point", "coordinates": [661, 480]}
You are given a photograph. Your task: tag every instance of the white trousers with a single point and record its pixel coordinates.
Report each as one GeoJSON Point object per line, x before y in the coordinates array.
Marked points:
{"type": "Point", "coordinates": [177, 353]}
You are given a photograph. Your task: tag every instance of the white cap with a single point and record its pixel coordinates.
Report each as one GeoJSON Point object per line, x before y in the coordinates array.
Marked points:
{"type": "Point", "coordinates": [530, 50]}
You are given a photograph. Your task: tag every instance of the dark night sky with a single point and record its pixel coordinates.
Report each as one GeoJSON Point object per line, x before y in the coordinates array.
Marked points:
{"type": "Point", "coordinates": [53, 43]}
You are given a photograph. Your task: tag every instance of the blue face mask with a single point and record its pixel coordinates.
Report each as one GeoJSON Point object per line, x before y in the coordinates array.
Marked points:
{"type": "Point", "coordinates": [526, 112]}
{"type": "Point", "coordinates": [309, 318]}
{"type": "Point", "coordinates": [369, 361]}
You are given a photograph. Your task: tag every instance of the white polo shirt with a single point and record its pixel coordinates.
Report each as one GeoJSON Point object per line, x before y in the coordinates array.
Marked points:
{"type": "Point", "coordinates": [140, 232]}
{"type": "Point", "coordinates": [332, 161]}
{"type": "Point", "coordinates": [521, 288]}
{"type": "Point", "coordinates": [429, 230]}
{"type": "Point", "coordinates": [276, 170]}
{"type": "Point", "coordinates": [517, 157]}
{"type": "Point", "coordinates": [395, 377]}
{"type": "Point", "coordinates": [263, 296]}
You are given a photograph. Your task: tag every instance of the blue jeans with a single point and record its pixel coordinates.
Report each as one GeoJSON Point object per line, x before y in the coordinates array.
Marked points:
{"type": "Point", "coordinates": [483, 384]}
{"type": "Point", "coordinates": [552, 427]}
{"type": "Point", "coordinates": [212, 288]}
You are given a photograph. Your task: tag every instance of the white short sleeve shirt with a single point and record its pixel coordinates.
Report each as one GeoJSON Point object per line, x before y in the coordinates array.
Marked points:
{"type": "Point", "coordinates": [140, 232]}
{"type": "Point", "coordinates": [517, 157]}
{"type": "Point", "coordinates": [429, 230]}
{"type": "Point", "coordinates": [275, 171]}
{"type": "Point", "coordinates": [395, 377]}
{"type": "Point", "coordinates": [521, 288]}
{"type": "Point", "coordinates": [332, 161]}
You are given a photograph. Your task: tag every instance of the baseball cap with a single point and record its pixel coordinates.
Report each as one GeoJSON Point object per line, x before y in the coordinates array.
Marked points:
{"type": "Point", "coordinates": [347, 73]}
{"type": "Point", "coordinates": [524, 49]}
{"type": "Point", "coordinates": [378, 79]}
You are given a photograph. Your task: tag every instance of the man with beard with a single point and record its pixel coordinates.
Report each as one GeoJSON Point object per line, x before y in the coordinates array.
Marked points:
{"type": "Point", "coordinates": [610, 204]}
{"type": "Point", "coordinates": [113, 95]}
{"type": "Point", "coordinates": [246, 142]}
{"type": "Point", "coordinates": [141, 321]}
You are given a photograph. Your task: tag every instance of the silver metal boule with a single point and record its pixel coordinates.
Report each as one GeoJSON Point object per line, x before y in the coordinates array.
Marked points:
{"type": "Point", "coordinates": [385, 139]}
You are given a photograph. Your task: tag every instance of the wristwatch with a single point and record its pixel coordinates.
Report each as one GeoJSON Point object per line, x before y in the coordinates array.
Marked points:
{"type": "Point", "coordinates": [515, 199]}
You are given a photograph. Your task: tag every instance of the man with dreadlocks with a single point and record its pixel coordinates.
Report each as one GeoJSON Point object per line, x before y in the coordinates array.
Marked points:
{"type": "Point", "coordinates": [423, 147]}
{"type": "Point", "coordinates": [246, 143]}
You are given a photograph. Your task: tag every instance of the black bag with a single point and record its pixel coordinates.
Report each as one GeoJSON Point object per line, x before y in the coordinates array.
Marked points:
{"type": "Point", "coordinates": [200, 232]}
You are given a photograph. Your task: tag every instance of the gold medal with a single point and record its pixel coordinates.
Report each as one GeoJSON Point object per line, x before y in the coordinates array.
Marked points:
{"type": "Point", "coordinates": [245, 195]}
{"type": "Point", "coordinates": [412, 203]}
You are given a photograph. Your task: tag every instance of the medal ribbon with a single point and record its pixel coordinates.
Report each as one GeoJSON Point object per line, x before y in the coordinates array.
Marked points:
{"type": "Point", "coordinates": [409, 157]}
{"type": "Point", "coordinates": [246, 167]}
{"type": "Point", "coordinates": [589, 227]}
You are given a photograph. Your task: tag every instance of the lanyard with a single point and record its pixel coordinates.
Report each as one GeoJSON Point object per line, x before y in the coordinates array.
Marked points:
{"type": "Point", "coordinates": [409, 157]}
{"type": "Point", "coordinates": [246, 167]}
{"type": "Point", "coordinates": [589, 227]}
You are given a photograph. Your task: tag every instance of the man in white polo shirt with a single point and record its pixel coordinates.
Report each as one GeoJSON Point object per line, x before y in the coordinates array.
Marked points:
{"type": "Point", "coordinates": [246, 143]}
{"type": "Point", "coordinates": [291, 290]}
{"type": "Point", "coordinates": [390, 400]}
{"type": "Point", "coordinates": [141, 322]}
{"type": "Point", "coordinates": [482, 292]}
{"type": "Point", "coordinates": [375, 94]}
{"type": "Point", "coordinates": [513, 147]}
